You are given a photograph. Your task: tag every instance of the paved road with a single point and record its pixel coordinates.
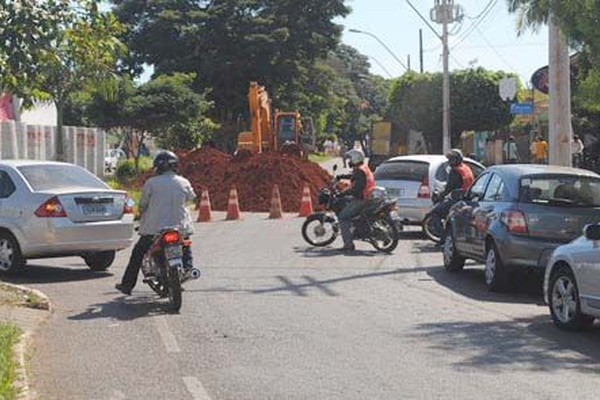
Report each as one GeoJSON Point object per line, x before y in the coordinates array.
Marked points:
{"type": "Point", "coordinates": [275, 319]}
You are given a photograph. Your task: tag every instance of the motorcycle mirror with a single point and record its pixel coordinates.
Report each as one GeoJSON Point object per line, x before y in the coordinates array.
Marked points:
{"type": "Point", "coordinates": [335, 167]}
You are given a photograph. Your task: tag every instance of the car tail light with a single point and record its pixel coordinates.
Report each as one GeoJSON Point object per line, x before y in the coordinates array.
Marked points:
{"type": "Point", "coordinates": [171, 237]}
{"type": "Point", "coordinates": [128, 205]}
{"type": "Point", "coordinates": [424, 192]}
{"type": "Point", "coordinates": [515, 221]}
{"type": "Point", "coordinates": [52, 208]}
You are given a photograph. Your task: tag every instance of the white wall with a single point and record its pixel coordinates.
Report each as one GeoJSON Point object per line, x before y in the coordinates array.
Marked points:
{"type": "Point", "coordinates": [41, 114]}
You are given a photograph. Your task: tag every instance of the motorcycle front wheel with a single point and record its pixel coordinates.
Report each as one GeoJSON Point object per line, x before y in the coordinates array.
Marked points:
{"type": "Point", "coordinates": [174, 291]}
{"type": "Point", "coordinates": [432, 227]}
{"type": "Point", "coordinates": [319, 230]}
{"type": "Point", "coordinates": [385, 236]}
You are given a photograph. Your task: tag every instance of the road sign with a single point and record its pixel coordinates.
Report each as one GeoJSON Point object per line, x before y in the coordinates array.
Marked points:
{"type": "Point", "coordinates": [508, 88]}
{"type": "Point", "coordinates": [521, 108]}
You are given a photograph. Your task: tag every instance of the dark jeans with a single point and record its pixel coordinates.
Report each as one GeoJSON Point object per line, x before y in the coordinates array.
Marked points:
{"type": "Point", "coordinates": [137, 256]}
{"type": "Point", "coordinates": [442, 209]}
{"type": "Point", "coordinates": [351, 210]}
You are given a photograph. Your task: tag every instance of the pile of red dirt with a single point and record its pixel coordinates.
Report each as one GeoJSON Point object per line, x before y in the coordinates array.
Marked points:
{"type": "Point", "coordinates": [254, 176]}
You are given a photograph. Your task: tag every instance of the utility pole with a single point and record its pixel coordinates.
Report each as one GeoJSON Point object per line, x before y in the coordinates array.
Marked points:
{"type": "Point", "coordinates": [421, 49]}
{"type": "Point", "coordinates": [446, 12]}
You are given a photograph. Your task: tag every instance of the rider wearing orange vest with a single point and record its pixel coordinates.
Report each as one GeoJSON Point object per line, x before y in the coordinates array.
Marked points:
{"type": "Point", "coordinates": [460, 176]}
{"type": "Point", "coordinates": [363, 184]}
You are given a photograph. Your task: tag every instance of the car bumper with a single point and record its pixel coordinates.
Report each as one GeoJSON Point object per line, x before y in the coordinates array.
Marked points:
{"type": "Point", "coordinates": [60, 236]}
{"type": "Point", "coordinates": [523, 251]}
{"type": "Point", "coordinates": [413, 211]}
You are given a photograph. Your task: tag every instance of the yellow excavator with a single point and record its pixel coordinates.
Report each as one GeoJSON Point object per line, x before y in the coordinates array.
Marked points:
{"type": "Point", "coordinates": [269, 133]}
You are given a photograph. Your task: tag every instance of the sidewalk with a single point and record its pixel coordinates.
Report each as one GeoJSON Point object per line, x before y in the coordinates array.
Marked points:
{"type": "Point", "coordinates": [27, 309]}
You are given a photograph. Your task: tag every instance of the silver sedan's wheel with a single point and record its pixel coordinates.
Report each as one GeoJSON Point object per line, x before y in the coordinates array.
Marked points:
{"type": "Point", "coordinates": [565, 307]}
{"type": "Point", "coordinates": [452, 259]}
{"type": "Point", "coordinates": [496, 277]}
{"type": "Point", "coordinates": [10, 254]}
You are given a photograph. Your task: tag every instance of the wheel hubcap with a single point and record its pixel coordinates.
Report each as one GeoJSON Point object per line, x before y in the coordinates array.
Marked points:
{"type": "Point", "coordinates": [319, 230]}
{"type": "Point", "coordinates": [564, 299]}
{"type": "Point", "coordinates": [490, 267]}
{"type": "Point", "coordinates": [448, 250]}
{"type": "Point", "coordinates": [6, 255]}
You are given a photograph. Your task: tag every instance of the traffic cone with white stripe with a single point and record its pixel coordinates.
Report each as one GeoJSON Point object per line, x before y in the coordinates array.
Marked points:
{"type": "Point", "coordinates": [306, 207]}
{"type": "Point", "coordinates": [275, 211]}
{"type": "Point", "coordinates": [233, 207]}
{"type": "Point", "coordinates": [205, 210]}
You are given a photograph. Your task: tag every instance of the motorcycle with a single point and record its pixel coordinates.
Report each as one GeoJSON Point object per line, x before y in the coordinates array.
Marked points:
{"type": "Point", "coordinates": [375, 224]}
{"type": "Point", "coordinates": [164, 266]}
{"type": "Point", "coordinates": [434, 222]}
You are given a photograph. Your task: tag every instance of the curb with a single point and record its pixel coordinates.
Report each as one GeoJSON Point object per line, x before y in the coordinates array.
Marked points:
{"type": "Point", "coordinates": [22, 347]}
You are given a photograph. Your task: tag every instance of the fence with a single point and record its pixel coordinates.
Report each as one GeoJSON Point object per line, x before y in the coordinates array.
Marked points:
{"type": "Point", "coordinates": [83, 146]}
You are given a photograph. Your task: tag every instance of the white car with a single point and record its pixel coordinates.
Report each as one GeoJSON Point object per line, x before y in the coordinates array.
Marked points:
{"type": "Point", "coordinates": [50, 209]}
{"type": "Point", "coordinates": [572, 281]}
{"type": "Point", "coordinates": [412, 179]}
{"type": "Point", "coordinates": [112, 158]}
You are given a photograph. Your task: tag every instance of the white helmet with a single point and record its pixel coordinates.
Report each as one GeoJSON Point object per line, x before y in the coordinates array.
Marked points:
{"type": "Point", "coordinates": [355, 156]}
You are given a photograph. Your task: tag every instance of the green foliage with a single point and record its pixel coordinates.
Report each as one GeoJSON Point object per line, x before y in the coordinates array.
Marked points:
{"type": "Point", "coordinates": [416, 103]}
{"type": "Point", "coordinates": [126, 170]}
{"type": "Point", "coordinates": [9, 335]}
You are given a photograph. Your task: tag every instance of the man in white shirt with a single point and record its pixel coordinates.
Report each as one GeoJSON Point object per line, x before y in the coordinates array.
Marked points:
{"type": "Point", "coordinates": [577, 151]}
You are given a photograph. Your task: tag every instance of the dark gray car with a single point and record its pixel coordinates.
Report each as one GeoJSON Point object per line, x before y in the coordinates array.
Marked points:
{"type": "Point", "coordinates": [514, 216]}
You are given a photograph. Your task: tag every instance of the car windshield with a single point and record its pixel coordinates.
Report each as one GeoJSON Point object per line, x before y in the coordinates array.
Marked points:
{"type": "Point", "coordinates": [561, 191]}
{"type": "Point", "coordinates": [51, 177]}
{"type": "Point", "coordinates": [402, 170]}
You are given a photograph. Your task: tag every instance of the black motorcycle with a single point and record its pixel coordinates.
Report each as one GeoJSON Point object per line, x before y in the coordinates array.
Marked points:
{"type": "Point", "coordinates": [434, 222]}
{"type": "Point", "coordinates": [164, 266]}
{"type": "Point", "coordinates": [375, 224]}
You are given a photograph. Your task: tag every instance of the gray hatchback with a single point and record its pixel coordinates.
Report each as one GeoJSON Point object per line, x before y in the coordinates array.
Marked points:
{"type": "Point", "coordinates": [514, 216]}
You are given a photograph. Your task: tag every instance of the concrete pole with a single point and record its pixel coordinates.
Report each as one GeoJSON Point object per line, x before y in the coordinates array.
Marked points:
{"type": "Point", "coordinates": [560, 132]}
{"type": "Point", "coordinates": [421, 50]}
{"type": "Point", "coordinates": [446, 142]}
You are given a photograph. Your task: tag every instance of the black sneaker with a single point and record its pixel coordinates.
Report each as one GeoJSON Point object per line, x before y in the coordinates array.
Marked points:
{"type": "Point", "coordinates": [121, 288]}
{"type": "Point", "coordinates": [348, 248]}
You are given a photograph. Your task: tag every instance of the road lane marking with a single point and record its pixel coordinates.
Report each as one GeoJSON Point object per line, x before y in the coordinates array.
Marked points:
{"type": "Point", "coordinates": [166, 335]}
{"type": "Point", "coordinates": [194, 386]}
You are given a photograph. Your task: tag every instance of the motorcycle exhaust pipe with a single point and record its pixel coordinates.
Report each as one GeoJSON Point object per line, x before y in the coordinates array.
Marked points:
{"type": "Point", "coordinates": [195, 273]}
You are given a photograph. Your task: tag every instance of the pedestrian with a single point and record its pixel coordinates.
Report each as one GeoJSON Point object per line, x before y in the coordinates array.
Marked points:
{"type": "Point", "coordinates": [511, 153]}
{"type": "Point", "coordinates": [533, 150]}
{"type": "Point", "coordinates": [577, 151]}
{"type": "Point", "coordinates": [420, 148]}
{"type": "Point", "coordinates": [328, 147]}
{"type": "Point", "coordinates": [543, 151]}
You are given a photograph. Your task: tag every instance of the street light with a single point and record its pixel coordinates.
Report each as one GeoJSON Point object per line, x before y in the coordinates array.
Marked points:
{"type": "Point", "coordinates": [384, 46]}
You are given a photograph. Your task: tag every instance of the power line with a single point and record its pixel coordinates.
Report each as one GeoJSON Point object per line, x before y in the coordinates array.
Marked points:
{"type": "Point", "coordinates": [489, 8]}
{"type": "Point", "coordinates": [381, 66]}
{"type": "Point", "coordinates": [482, 11]}
{"type": "Point", "coordinates": [495, 51]}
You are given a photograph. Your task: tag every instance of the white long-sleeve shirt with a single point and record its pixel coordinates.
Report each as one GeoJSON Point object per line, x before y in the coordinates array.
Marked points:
{"type": "Point", "coordinates": [164, 204]}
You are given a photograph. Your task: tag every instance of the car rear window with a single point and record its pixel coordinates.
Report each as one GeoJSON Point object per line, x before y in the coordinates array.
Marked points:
{"type": "Point", "coordinates": [561, 191]}
{"type": "Point", "coordinates": [403, 171]}
{"type": "Point", "coordinates": [51, 177]}
{"type": "Point", "coordinates": [443, 170]}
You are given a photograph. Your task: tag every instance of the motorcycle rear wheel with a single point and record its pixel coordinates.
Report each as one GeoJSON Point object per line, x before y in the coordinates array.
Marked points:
{"type": "Point", "coordinates": [174, 291]}
{"type": "Point", "coordinates": [324, 231]}
{"type": "Point", "coordinates": [391, 241]}
{"type": "Point", "coordinates": [432, 232]}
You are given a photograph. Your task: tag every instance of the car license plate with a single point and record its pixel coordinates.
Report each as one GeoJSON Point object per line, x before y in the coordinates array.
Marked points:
{"type": "Point", "coordinates": [396, 192]}
{"type": "Point", "coordinates": [94, 209]}
{"type": "Point", "coordinates": [172, 252]}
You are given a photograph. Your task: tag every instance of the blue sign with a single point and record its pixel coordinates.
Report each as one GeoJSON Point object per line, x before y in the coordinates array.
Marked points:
{"type": "Point", "coordinates": [521, 108]}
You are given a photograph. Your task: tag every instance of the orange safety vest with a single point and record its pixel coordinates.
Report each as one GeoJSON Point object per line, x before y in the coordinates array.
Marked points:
{"type": "Point", "coordinates": [370, 186]}
{"type": "Point", "coordinates": [466, 174]}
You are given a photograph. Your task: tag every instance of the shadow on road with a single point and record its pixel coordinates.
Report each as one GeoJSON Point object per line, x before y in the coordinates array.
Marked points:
{"type": "Point", "coordinates": [321, 252]}
{"type": "Point", "coordinates": [124, 309]}
{"type": "Point", "coordinates": [40, 274]}
{"type": "Point", "coordinates": [411, 235]}
{"type": "Point", "coordinates": [522, 344]}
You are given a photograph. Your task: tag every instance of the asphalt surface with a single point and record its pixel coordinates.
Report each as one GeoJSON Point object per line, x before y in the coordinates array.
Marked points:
{"type": "Point", "coordinates": [272, 318]}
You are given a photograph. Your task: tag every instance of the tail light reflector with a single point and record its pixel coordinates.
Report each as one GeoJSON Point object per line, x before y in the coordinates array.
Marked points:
{"type": "Point", "coordinates": [424, 192]}
{"type": "Point", "coordinates": [515, 221]}
{"type": "Point", "coordinates": [171, 237]}
{"type": "Point", "coordinates": [52, 208]}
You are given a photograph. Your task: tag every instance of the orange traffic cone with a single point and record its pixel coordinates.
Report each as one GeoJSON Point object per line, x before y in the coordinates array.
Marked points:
{"type": "Point", "coordinates": [205, 211]}
{"type": "Point", "coordinates": [275, 211]}
{"type": "Point", "coordinates": [233, 208]}
{"type": "Point", "coordinates": [306, 207]}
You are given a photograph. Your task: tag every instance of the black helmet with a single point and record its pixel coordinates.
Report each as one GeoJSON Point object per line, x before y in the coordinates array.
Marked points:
{"type": "Point", "coordinates": [165, 161]}
{"type": "Point", "coordinates": [455, 157]}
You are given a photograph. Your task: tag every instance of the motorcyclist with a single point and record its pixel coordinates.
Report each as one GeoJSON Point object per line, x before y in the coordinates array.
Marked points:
{"type": "Point", "coordinates": [363, 184]}
{"type": "Point", "coordinates": [163, 204]}
{"type": "Point", "coordinates": [460, 177]}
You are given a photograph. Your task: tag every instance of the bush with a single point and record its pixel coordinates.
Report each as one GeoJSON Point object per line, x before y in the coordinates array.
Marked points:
{"type": "Point", "coordinates": [126, 169]}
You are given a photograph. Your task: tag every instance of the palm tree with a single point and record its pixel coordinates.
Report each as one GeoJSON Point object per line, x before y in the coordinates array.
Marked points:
{"type": "Point", "coordinates": [531, 14]}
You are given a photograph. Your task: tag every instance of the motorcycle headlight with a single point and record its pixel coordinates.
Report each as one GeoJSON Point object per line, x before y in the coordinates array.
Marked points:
{"type": "Point", "coordinates": [379, 193]}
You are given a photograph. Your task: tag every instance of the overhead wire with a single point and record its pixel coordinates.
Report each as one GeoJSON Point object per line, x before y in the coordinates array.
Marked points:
{"type": "Point", "coordinates": [476, 23]}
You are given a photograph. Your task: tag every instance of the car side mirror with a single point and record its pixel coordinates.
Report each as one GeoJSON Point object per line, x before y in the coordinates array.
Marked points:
{"type": "Point", "coordinates": [457, 194]}
{"type": "Point", "coordinates": [592, 232]}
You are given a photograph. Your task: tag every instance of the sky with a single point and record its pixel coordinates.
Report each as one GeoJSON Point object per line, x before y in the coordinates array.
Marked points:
{"type": "Point", "coordinates": [487, 40]}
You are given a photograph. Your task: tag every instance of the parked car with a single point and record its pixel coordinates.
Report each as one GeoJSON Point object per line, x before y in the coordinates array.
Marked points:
{"type": "Point", "coordinates": [50, 209]}
{"type": "Point", "coordinates": [412, 179]}
{"type": "Point", "coordinates": [514, 216]}
{"type": "Point", "coordinates": [112, 158]}
{"type": "Point", "coordinates": [572, 281]}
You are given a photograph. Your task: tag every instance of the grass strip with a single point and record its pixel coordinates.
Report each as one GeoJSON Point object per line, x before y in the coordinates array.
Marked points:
{"type": "Point", "coordinates": [9, 335]}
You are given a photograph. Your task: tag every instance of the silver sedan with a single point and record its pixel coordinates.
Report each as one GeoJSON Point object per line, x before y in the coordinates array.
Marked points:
{"type": "Point", "coordinates": [50, 209]}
